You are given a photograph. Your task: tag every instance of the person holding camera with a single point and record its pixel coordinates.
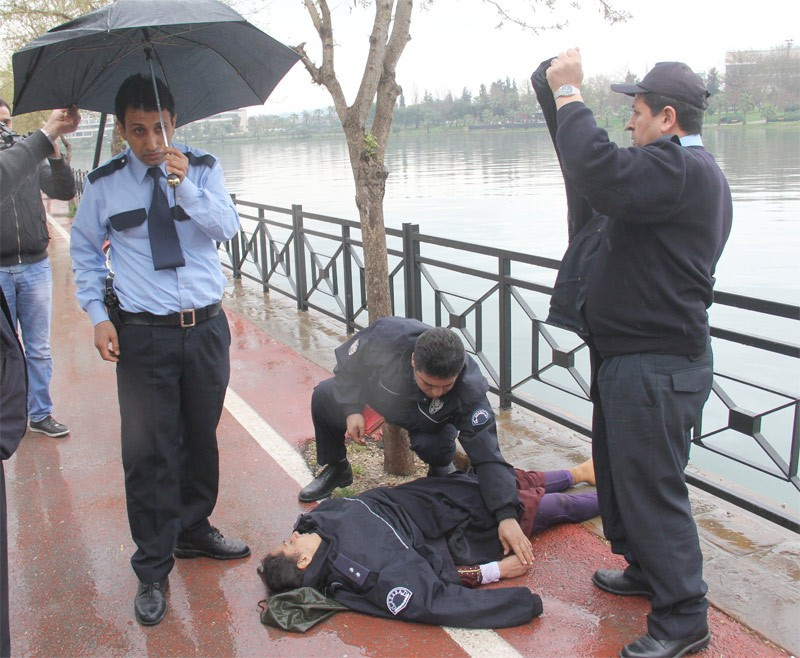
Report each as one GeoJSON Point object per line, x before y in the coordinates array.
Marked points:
{"type": "Point", "coordinates": [25, 275]}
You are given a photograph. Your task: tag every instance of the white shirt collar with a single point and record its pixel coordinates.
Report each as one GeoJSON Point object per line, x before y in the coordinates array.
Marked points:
{"type": "Point", "coordinates": [691, 140]}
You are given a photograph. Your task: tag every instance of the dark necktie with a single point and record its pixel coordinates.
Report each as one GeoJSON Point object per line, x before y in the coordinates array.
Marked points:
{"type": "Point", "coordinates": [165, 245]}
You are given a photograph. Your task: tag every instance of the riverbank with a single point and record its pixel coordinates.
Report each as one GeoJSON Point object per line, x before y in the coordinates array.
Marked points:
{"type": "Point", "coordinates": [335, 132]}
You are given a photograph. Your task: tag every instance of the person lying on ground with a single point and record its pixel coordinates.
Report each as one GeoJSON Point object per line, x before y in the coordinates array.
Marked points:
{"type": "Point", "coordinates": [416, 551]}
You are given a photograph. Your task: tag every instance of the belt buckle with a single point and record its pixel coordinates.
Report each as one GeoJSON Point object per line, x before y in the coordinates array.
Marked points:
{"type": "Point", "coordinates": [188, 313]}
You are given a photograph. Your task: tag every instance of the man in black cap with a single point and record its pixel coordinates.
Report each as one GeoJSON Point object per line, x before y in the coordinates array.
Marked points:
{"type": "Point", "coordinates": [669, 214]}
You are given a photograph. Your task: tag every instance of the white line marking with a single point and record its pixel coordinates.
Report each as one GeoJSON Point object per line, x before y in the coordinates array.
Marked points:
{"type": "Point", "coordinates": [59, 229]}
{"type": "Point", "coordinates": [480, 643]}
{"type": "Point", "coordinates": [477, 643]}
{"type": "Point", "coordinates": [273, 443]}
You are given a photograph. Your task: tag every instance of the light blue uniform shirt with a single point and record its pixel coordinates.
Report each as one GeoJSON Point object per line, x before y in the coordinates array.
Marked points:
{"type": "Point", "coordinates": [115, 204]}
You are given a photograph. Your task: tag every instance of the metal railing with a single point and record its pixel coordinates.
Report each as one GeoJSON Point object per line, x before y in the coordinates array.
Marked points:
{"type": "Point", "coordinates": [498, 300]}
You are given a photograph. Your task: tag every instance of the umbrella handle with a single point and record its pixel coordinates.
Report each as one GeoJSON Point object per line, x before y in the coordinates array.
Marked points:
{"type": "Point", "coordinates": [173, 180]}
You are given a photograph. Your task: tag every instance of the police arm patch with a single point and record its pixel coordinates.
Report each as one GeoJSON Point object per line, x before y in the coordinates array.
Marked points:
{"type": "Point", "coordinates": [397, 599]}
{"type": "Point", "coordinates": [480, 416]}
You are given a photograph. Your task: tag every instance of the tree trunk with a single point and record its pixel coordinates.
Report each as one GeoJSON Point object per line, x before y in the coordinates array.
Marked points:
{"type": "Point", "coordinates": [397, 456]}
{"type": "Point", "coordinates": [367, 149]}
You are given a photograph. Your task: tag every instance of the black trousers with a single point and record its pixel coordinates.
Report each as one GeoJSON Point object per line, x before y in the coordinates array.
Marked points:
{"type": "Point", "coordinates": [644, 408]}
{"type": "Point", "coordinates": [171, 384]}
{"type": "Point", "coordinates": [330, 425]}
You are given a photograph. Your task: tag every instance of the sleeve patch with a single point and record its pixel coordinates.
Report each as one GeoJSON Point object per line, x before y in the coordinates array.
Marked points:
{"type": "Point", "coordinates": [397, 599]}
{"type": "Point", "coordinates": [480, 416]}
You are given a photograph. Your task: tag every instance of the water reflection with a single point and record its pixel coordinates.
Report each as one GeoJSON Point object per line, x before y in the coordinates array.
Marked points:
{"type": "Point", "coordinates": [505, 190]}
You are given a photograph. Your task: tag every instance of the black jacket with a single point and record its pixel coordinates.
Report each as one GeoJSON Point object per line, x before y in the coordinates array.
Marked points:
{"type": "Point", "coordinates": [669, 214]}
{"type": "Point", "coordinates": [13, 385]}
{"type": "Point", "coordinates": [392, 551]}
{"type": "Point", "coordinates": [23, 223]}
{"type": "Point", "coordinates": [585, 229]}
{"type": "Point", "coordinates": [374, 367]}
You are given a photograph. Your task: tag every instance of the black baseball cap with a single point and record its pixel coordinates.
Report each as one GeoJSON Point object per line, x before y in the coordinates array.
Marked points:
{"type": "Point", "coordinates": [671, 79]}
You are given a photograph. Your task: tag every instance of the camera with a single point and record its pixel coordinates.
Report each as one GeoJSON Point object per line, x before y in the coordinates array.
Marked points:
{"type": "Point", "coordinates": [8, 138]}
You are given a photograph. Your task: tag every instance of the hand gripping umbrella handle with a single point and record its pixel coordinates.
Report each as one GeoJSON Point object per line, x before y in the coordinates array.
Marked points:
{"type": "Point", "coordinates": [173, 180]}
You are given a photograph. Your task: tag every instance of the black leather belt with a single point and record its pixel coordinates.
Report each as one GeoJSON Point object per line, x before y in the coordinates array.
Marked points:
{"type": "Point", "coordinates": [184, 319]}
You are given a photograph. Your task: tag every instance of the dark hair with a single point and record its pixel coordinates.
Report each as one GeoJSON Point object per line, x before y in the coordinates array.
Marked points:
{"type": "Point", "coordinates": [137, 92]}
{"type": "Point", "coordinates": [280, 573]}
{"type": "Point", "coordinates": [5, 105]}
{"type": "Point", "coordinates": [689, 117]}
{"type": "Point", "coordinates": [439, 352]}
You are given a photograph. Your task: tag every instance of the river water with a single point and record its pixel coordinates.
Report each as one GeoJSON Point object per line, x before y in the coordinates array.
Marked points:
{"type": "Point", "coordinates": [504, 189]}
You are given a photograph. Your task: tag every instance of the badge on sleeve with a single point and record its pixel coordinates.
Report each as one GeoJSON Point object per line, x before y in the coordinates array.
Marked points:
{"type": "Point", "coordinates": [353, 347]}
{"type": "Point", "coordinates": [398, 599]}
{"type": "Point", "coordinates": [480, 416]}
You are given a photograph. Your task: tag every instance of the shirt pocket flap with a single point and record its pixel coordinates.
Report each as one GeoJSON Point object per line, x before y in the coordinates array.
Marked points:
{"type": "Point", "coordinates": [128, 219]}
{"type": "Point", "coordinates": [691, 381]}
{"type": "Point", "coordinates": [180, 214]}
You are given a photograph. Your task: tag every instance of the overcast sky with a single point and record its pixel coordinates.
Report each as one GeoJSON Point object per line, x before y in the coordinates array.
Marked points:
{"type": "Point", "coordinates": [456, 43]}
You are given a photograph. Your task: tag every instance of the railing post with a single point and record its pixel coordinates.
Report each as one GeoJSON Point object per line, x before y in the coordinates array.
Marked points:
{"type": "Point", "coordinates": [412, 277]}
{"type": "Point", "coordinates": [504, 380]}
{"type": "Point", "coordinates": [347, 269]}
{"type": "Point", "coordinates": [299, 257]}
{"type": "Point", "coordinates": [233, 245]}
{"type": "Point", "coordinates": [262, 247]}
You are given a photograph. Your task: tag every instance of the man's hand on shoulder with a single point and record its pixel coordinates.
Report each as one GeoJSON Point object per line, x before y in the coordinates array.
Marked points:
{"type": "Point", "coordinates": [106, 341]}
{"type": "Point", "coordinates": [513, 539]}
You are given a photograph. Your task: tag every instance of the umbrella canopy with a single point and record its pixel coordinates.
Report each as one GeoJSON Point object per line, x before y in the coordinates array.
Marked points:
{"type": "Point", "coordinates": [210, 57]}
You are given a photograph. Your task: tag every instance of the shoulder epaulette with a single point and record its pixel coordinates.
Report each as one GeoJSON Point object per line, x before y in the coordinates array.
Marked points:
{"type": "Point", "coordinates": [113, 165]}
{"type": "Point", "coordinates": [196, 160]}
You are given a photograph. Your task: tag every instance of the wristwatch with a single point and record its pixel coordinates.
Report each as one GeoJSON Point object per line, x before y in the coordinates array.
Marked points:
{"type": "Point", "coordinates": [49, 136]}
{"type": "Point", "coordinates": [566, 90]}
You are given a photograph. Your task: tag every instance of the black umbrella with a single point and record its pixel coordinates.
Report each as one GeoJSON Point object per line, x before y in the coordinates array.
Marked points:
{"type": "Point", "coordinates": [210, 57]}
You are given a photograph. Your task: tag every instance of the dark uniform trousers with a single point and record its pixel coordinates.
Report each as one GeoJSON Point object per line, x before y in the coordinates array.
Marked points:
{"type": "Point", "coordinates": [330, 425]}
{"type": "Point", "coordinates": [171, 384]}
{"type": "Point", "coordinates": [645, 407]}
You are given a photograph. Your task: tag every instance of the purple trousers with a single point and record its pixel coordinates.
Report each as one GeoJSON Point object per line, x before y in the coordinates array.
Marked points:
{"type": "Point", "coordinates": [544, 505]}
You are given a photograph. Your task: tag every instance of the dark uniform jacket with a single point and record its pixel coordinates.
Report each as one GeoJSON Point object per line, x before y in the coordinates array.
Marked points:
{"type": "Point", "coordinates": [23, 223]}
{"type": "Point", "coordinates": [669, 214]}
{"type": "Point", "coordinates": [374, 367]}
{"type": "Point", "coordinates": [392, 551]}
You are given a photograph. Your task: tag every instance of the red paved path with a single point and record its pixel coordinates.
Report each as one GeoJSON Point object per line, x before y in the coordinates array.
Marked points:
{"type": "Point", "coordinates": [72, 586]}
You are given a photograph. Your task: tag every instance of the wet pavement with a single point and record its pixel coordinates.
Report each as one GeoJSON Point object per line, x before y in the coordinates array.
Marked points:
{"type": "Point", "coordinates": [72, 586]}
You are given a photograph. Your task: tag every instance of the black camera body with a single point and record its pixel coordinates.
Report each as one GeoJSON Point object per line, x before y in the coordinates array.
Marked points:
{"type": "Point", "coordinates": [8, 138]}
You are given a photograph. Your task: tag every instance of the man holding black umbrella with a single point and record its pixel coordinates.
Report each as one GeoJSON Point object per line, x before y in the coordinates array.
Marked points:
{"type": "Point", "coordinates": [163, 325]}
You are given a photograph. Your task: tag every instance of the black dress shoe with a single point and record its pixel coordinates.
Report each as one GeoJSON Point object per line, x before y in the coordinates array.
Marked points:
{"type": "Point", "coordinates": [150, 604]}
{"type": "Point", "coordinates": [212, 545]}
{"type": "Point", "coordinates": [648, 647]}
{"type": "Point", "coordinates": [616, 582]}
{"type": "Point", "coordinates": [330, 477]}
{"type": "Point", "coordinates": [441, 471]}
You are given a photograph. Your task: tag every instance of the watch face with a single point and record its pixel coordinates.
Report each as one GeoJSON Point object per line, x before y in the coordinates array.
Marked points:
{"type": "Point", "coordinates": [566, 90]}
